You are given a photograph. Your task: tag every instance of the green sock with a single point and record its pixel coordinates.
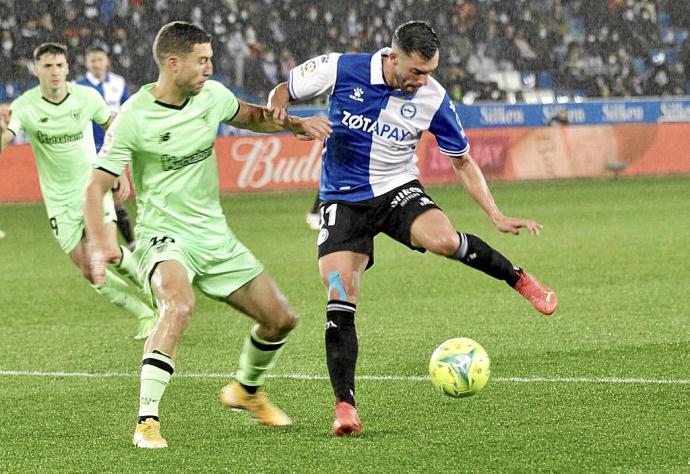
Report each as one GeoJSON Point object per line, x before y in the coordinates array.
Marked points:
{"type": "Point", "coordinates": [258, 356]}
{"type": "Point", "coordinates": [120, 294]}
{"type": "Point", "coordinates": [127, 266]}
{"type": "Point", "coordinates": [156, 370]}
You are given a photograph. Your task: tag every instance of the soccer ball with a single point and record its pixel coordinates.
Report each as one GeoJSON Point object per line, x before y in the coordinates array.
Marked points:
{"type": "Point", "coordinates": [459, 367]}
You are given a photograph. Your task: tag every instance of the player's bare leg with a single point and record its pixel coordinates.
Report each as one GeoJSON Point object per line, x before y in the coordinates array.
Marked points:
{"type": "Point", "coordinates": [175, 299]}
{"type": "Point", "coordinates": [341, 273]}
{"type": "Point", "coordinates": [262, 300]}
{"type": "Point", "coordinates": [115, 289]}
{"type": "Point", "coordinates": [433, 231]}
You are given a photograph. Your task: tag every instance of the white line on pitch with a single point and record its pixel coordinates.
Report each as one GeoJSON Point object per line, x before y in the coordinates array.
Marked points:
{"type": "Point", "coordinates": [395, 378]}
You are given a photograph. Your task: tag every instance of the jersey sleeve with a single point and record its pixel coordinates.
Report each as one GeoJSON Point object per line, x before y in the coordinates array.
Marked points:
{"type": "Point", "coordinates": [313, 77]}
{"type": "Point", "coordinates": [118, 144]}
{"type": "Point", "coordinates": [226, 102]}
{"type": "Point", "coordinates": [101, 112]}
{"type": "Point", "coordinates": [15, 124]}
{"type": "Point", "coordinates": [448, 130]}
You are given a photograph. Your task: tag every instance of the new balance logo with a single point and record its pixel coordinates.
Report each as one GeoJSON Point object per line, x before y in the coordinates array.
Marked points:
{"type": "Point", "coordinates": [357, 94]}
{"type": "Point", "coordinates": [43, 119]}
{"type": "Point", "coordinates": [164, 137]}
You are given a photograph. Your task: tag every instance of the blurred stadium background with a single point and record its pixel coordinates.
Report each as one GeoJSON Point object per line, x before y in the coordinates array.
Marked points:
{"type": "Point", "coordinates": [501, 50]}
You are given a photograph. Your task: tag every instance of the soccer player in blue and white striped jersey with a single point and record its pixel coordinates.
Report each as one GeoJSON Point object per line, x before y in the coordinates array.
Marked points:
{"type": "Point", "coordinates": [113, 88]}
{"type": "Point", "coordinates": [379, 106]}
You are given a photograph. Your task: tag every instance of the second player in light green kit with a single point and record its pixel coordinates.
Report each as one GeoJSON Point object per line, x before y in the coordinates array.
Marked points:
{"type": "Point", "coordinates": [167, 131]}
{"type": "Point", "coordinates": [56, 116]}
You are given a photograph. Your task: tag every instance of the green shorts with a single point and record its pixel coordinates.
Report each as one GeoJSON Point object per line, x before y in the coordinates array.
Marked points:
{"type": "Point", "coordinates": [68, 223]}
{"type": "Point", "coordinates": [218, 269]}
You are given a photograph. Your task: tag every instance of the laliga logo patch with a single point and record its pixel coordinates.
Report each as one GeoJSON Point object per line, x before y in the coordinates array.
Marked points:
{"type": "Point", "coordinates": [408, 110]}
{"type": "Point", "coordinates": [309, 67]}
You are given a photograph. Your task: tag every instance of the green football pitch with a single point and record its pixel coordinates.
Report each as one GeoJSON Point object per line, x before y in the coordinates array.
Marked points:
{"type": "Point", "coordinates": [602, 387]}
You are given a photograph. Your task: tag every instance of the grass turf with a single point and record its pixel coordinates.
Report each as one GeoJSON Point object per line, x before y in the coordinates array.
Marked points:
{"type": "Point", "coordinates": [615, 251]}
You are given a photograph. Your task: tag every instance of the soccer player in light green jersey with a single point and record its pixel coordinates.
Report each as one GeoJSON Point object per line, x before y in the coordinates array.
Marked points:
{"type": "Point", "coordinates": [56, 116]}
{"type": "Point", "coordinates": [167, 131]}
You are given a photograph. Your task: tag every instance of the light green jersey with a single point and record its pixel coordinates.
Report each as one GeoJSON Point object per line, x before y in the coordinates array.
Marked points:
{"type": "Point", "coordinates": [61, 137]}
{"type": "Point", "coordinates": [174, 169]}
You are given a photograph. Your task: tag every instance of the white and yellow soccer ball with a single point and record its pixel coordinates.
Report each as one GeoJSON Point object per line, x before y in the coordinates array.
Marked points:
{"type": "Point", "coordinates": [459, 367]}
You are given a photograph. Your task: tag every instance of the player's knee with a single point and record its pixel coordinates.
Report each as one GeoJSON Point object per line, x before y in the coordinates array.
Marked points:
{"type": "Point", "coordinates": [85, 269]}
{"type": "Point", "coordinates": [288, 321]}
{"type": "Point", "coordinates": [177, 315]}
{"type": "Point", "coordinates": [443, 244]}
{"type": "Point", "coordinates": [87, 274]}
{"type": "Point", "coordinates": [281, 323]}
{"type": "Point", "coordinates": [340, 286]}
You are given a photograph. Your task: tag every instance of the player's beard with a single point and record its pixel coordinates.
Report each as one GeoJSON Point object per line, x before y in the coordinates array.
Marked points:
{"type": "Point", "coordinates": [196, 89]}
{"type": "Point", "coordinates": [404, 85]}
{"type": "Point", "coordinates": [190, 88]}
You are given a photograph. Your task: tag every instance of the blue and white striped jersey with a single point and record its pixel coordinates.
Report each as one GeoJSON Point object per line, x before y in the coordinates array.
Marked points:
{"type": "Point", "coordinates": [115, 92]}
{"type": "Point", "coordinates": [376, 129]}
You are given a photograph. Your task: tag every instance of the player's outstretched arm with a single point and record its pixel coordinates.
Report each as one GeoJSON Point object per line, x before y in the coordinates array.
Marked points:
{"type": "Point", "coordinates": [473, 180]}
{"type": "Point", "coordinates": [101, 249]}
{"type": "Point", "coordinates": [261, 119]}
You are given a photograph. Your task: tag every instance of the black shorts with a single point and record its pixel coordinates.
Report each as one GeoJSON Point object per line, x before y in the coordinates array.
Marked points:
{"type": "Point", "coordinates": [352, 226]}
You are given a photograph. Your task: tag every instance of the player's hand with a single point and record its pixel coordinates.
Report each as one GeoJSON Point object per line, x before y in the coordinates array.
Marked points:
{"type": "Point", "coordinates": [512, 225]}
{"type": "Point", "coordinates": [100, 255]}
{"type": "Point", "coordinates": [277, 114]}
{"type": "Point", "coordinates": [313, 128]}
{"type": "Point", "coordinates": [121, 189]}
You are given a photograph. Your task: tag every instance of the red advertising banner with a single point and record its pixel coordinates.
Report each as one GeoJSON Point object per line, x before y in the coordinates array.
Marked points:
{"type": "Point", "coordinates": [276, 162]}
{"type": "Point", "coordinates": [567, 152]}
{"type": "Point", "coordinates": [267, 162]}
{"type": "Point", "coordinates": [18, 175]}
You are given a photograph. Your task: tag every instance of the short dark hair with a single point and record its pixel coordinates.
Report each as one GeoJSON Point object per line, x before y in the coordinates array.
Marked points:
{"type": "Point", "coordinates": [96, 49]}
{"type": "Point", "coordinates": [177, 37]}
{"type": "Point", "coordinates": [416, 37]}
{"type": "Point", "coordinates": [49, 48]}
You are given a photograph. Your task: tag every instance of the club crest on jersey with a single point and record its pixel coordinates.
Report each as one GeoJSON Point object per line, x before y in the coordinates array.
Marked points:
{"type": "Point", "coordinates": [76, 114]}
{"type": "Point", "coordinates": [408, 110]}
{"type": "Point", "coordinates": [357, 94]}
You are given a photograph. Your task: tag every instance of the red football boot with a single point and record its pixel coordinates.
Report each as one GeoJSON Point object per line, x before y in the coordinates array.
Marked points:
{"type": "Point", "coordinates": [346, 420]}
{"type": "Point", "coordinates": [541, 297]}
